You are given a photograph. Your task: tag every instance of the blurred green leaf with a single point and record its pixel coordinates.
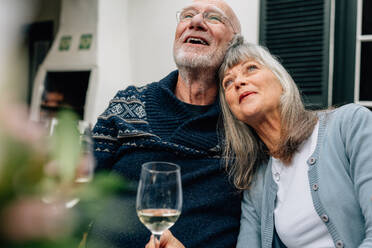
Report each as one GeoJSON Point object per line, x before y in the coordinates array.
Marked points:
{"type": "Point", "coordinates": [66, 145]}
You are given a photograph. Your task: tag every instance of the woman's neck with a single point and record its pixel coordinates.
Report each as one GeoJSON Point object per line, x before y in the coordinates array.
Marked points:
{"type": "Point", "coordinates": [269, 131]}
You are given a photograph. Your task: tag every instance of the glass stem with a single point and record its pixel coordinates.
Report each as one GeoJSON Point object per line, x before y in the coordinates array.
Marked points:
{"type": "Point", "coordinates": [156, 238]}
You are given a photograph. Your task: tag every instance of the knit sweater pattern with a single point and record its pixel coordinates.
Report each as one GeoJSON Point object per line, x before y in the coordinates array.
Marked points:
{"type": "Point", "coordinates": [149, 123]}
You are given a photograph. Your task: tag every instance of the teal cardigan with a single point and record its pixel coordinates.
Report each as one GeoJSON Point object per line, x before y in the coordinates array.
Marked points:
{"type": "Point", "coordinates": [340, 181]}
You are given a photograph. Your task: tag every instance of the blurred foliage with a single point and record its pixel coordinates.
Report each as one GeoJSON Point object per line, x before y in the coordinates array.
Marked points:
{"type": "Point", "coordinates": [21, 165]}
{"type": "Point", "coordinates": [65, 144]}
{"type": "Point", "coordinates": [23, 183]}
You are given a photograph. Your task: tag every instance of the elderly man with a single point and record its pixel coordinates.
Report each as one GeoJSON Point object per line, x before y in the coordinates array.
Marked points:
{"type": "Point", "coordinates": [174, 120]}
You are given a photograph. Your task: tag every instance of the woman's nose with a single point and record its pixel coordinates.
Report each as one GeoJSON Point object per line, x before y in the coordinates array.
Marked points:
{"type": "Point", "coordinates": [239, 83]}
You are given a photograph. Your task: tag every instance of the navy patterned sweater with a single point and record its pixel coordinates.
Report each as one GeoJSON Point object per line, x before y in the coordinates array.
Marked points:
{"type": "Point", "coordinates": [150, 124]}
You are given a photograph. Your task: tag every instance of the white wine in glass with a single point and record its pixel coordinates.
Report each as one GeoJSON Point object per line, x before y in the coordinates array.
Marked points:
{"type": "Point", "coordinates": [158, 220]}
{"type": "Point", "coordinates": [159, 196]}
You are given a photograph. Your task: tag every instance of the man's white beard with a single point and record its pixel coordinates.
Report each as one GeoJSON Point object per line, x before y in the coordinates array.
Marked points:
{"type": "Point", "coordinates": [194, 60]}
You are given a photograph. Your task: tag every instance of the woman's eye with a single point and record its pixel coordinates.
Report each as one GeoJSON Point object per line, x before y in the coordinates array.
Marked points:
{"type": "Point", "coordinates": [227, 83]}
{"type": "Point", "coordinates": [252, 67]}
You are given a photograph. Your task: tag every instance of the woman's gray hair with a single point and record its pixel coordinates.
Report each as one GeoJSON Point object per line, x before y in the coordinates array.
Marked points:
{"type": "Point", "coordinates": [243, 150]}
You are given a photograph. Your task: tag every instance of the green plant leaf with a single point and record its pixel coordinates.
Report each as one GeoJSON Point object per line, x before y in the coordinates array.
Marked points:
{"type": "Point", "coordinates": [66, 145]}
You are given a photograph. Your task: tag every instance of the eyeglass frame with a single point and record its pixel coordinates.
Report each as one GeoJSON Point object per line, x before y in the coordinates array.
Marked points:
{"type": "Point", "coordinates": [223, 17]}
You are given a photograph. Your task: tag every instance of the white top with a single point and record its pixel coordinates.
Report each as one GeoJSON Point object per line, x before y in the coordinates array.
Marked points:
{"type": "Point", "coordinates": [296, 221]}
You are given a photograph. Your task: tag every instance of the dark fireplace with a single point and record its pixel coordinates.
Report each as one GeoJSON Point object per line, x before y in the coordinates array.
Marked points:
{"type": "Point", "coordinates": [64, 89]}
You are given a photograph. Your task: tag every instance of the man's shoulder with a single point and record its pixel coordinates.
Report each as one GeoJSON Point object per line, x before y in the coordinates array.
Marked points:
{"type": "Point", "coordinates": [139, 92]}
{"type": "Point", "coordinates": [131, 92]}
{"type": "Point", "coordinates": [125, 116]}
{"type": "Point", "coordinates": [128, 104]}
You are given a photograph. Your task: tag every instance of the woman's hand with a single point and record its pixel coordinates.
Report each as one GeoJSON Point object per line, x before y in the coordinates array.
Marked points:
{"type": "Point", "coordinates": [167, 240]}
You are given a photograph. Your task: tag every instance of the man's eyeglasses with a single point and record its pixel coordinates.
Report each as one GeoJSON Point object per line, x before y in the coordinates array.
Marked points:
{"type": "Point", "coordinates": [209, 17]}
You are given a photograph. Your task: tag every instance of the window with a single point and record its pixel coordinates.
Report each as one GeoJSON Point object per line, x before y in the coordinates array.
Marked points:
{"type": "Point", "coordinates": [300, 33]}
{"type": "Point", "coordinates": [363, 58]}
{"type": "Point", "coordinates": [40, 37]}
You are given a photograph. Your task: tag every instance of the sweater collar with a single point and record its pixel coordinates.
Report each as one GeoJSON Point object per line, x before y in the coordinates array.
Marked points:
{"type": "Point", "coordinates": [166, 99]}
{"type": "Point", "coordinates": [165, 110]}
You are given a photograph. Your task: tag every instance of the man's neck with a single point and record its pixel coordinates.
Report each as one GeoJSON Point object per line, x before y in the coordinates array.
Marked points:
{"type": "Point", "coordinates": [197, 87]}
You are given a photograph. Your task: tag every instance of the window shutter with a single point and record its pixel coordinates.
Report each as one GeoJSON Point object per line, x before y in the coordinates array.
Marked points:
{"type": "Point", "coordinates": [297, 32]}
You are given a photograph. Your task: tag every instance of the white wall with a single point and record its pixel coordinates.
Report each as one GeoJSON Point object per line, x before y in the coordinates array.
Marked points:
{"type": "Point", "coordinates": [114, 60]}
{"type": "Point", "coordinates": [248, 12]}
{"type": "Point", "coordinates": [15, 15]}
{"type": "Point", "coordinates": [151, 29]}
{"type": "Point", "coordinates": [13, 60]}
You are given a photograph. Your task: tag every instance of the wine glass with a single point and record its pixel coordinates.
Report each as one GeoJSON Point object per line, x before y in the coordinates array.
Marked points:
{"type": "Point", "coordinates": [159, 196]}
{"type": "Point", "coordinates": [72, 140]}
{"type": "Point", "coordinates": [85, 167]}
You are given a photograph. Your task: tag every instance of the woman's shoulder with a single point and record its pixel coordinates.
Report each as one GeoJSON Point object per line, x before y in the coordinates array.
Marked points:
{"type": "Point", "coordinates": [351, 108]}
{"type": "Point", "coordinates": [345, 113]}
{"type": "Point", "coordinates": [352, 112]}
{"type": "Point", "coordinates": [345, 120]}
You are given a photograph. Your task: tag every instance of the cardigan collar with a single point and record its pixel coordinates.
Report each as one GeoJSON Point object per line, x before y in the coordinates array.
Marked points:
{"type": "Point", "coordinates": [272, 187]}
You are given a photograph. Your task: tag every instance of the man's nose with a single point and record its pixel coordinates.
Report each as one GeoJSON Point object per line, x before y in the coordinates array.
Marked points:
{"type": "Point", "coordinates": [197, 22]}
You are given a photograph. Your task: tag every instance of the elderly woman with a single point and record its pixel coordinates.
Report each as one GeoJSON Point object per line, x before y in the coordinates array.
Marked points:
{"type": "Point", "coordinates": [306, 176]}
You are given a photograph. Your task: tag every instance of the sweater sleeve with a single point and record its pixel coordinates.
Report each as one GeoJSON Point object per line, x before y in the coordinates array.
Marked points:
{"type": "Point", "coordinates": [120, 120]}
{"type": "Point", "coordinates": [105, 139]}
{"type": "Point", "coordinates": [105, 144]}
{"type": "Point", "coordinates": [357, 130]}
{"type": "Point", "coordinates": [250, 227]}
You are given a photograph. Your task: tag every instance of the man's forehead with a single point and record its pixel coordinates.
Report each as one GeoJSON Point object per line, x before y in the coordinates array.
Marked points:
{"type": "Point", "coordinates": [204, 8]}
{"type": "Point", "coordinates": [222, 6]}
{"type": "Point", "coordinates": [212, 4]}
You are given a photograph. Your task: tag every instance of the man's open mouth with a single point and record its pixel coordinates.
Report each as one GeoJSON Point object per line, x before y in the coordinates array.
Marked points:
{"type": "Point", "coordinates": [199, 41]}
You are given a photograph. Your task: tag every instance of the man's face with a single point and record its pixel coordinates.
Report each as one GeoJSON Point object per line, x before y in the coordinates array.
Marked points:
{"type": "Point", "coordinates": [200, 42]}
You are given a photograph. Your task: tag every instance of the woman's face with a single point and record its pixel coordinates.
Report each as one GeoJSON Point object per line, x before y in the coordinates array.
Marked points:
{"type": "Point", "coordinates": [252, 91]}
